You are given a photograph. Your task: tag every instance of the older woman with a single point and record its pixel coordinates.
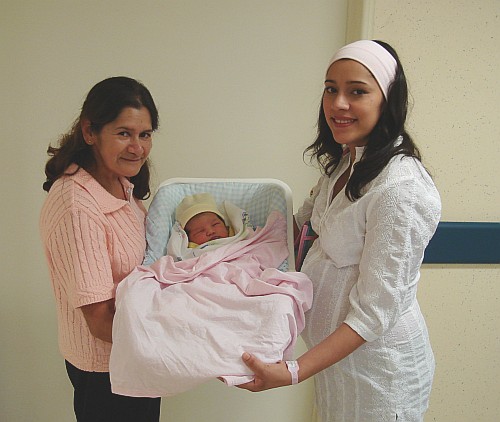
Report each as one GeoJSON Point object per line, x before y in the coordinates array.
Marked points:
{"type": "Point", "coordinates": [92, 227]}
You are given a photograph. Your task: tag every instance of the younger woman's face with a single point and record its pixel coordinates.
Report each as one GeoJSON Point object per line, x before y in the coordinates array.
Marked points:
{"type": "Point", "coordinates": [352, 102]}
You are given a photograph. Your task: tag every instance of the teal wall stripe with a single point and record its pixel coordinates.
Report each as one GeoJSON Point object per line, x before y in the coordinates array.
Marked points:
{"type": "Point", "coordinates": [464, 243]}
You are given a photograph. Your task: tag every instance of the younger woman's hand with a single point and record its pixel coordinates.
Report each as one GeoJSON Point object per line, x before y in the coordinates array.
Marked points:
{"type": "Point", "coordinates": [267, 375]}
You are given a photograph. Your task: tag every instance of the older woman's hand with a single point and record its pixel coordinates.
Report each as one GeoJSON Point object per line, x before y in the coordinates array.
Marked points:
{"type": "Point", "coordinates": [267, 375]}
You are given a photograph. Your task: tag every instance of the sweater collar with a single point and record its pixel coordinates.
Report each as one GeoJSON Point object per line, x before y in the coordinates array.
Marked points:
{"type": "Point", "coordinates": [107, 202]}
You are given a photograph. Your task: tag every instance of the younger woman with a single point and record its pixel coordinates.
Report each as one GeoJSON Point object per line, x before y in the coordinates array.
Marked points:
{"type": "Point", "coordinates": [375, 208]}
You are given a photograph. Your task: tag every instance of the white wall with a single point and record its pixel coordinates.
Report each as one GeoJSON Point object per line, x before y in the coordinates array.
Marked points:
{"type": "Point", "coordinates": [450, 53]}
{"type": "Point", "coordinates": [238, 85]}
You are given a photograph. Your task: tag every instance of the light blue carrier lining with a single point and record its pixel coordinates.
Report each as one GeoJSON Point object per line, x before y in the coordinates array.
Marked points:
{"type": "Point", "coordinates": [259, 197]}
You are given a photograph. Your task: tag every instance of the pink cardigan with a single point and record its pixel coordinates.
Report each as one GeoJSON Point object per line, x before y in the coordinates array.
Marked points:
{"type": "Point", "coordinates": [92, 240]}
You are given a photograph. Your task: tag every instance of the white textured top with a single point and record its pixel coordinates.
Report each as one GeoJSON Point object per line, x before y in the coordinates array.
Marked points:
{"type": "Point", "coordinates": [365, 268]}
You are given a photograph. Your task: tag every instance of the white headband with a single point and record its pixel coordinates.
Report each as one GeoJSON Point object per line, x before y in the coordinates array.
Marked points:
{"type": "Point", "coordinates": [374, 57]}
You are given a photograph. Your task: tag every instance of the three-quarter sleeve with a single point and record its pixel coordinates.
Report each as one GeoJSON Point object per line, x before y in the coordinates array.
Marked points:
{"type": "Point", "coordinates": [400, 220]}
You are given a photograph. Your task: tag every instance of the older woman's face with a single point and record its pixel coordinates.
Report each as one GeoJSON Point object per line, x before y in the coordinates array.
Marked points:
{"type": "Point", "coordinates": [122, 146]}
{"type": "Point", "coordinates": [352, 102]}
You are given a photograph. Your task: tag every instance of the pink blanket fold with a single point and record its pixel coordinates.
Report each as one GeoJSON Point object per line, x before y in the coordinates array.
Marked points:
{"type": "Point", "coordinates": [179, 324]}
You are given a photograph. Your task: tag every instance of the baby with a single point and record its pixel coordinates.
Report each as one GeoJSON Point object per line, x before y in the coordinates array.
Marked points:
{"type": "Point", "coordinates": [188, 317]}
{"type": "Point", "coordinates": [201, 226]}
{"type": "Point", "coordinates": [201, 219]}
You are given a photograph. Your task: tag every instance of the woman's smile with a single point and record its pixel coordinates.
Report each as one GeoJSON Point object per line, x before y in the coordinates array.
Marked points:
{"type": "Point", "coordinates": [342, 121]}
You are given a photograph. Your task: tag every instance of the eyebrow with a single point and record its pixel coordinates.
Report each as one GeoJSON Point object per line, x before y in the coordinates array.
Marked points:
{"type": "Point", "coordinates": [349, 82]}
{"type": "Point", "coordinates": [130, 130]}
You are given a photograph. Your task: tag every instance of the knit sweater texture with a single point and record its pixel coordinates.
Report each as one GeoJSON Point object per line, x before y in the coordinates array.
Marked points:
{"type": "Point", "coordinates": [92, 240]}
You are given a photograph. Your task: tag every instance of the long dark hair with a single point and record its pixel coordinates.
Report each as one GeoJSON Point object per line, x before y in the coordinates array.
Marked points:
{"type": "Point", "coordinates": [381, 145]}
{"type": "Point", "coordinates": [103, 104]}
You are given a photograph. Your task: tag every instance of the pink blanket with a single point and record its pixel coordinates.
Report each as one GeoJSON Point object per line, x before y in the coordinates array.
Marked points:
{"type": "Point", "coordinates": [179, 324]}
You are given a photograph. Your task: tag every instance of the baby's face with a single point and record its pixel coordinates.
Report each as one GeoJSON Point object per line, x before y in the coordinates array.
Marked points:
{"type": "Point", "coordinates": [204, 227]}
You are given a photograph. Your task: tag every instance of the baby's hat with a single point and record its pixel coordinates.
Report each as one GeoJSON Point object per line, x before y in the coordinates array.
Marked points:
{"type": "Point", "coordinates": [195, 204]}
